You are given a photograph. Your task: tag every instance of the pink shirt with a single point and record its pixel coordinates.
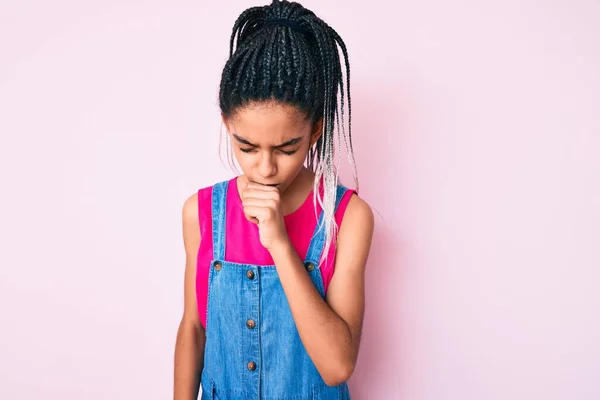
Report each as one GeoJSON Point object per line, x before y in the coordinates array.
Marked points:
{"type": "Point", "coordinates": [243, 242]}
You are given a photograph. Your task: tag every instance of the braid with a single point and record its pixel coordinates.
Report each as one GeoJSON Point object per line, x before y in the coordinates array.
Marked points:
{"type": "Point", "coordinates": [299, 67]}
{"type": "Point", "coordinates": [239, 24]}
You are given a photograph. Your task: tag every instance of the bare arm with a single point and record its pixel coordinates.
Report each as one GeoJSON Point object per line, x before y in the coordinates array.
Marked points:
{"type": "Point", "coordinates": [330, 331]}
{"type": "Point", "coordinates": [189, 347]}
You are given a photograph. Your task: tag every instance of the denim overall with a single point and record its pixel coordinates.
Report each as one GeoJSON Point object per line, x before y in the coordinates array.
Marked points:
{"type": "Point", "coordinates": [253, 349]}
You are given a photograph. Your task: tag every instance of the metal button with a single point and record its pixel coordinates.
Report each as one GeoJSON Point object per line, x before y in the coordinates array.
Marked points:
{"type": "Point", "coordinates": [250, 274]}
{"type": "Point", "coordinates": [310, 267]}
{"type": "Point", "coordinates": [251, 365]}
{"type": "Point", "coordinates": [218, 265]}
{"type": "Point", "coordinates": [250, 324]}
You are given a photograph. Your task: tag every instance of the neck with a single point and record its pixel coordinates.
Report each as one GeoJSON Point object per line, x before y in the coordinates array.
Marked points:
{"type": "Point", "coordinates": [295, 194]}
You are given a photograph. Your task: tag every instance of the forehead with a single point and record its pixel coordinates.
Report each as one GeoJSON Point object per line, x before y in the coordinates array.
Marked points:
{"type": "Point", "coordinates": [268, 122]}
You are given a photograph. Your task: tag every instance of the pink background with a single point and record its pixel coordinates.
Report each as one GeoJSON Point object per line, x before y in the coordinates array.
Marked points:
{"type": "Point", "coordinates": [477, 136]}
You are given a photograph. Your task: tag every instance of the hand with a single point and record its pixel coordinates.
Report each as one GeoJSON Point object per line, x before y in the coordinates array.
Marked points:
{"type": "Point", "coordinates": [262, 206]}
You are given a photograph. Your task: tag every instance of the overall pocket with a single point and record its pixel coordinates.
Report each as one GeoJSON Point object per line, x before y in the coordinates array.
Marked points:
{"type": "Point", "coordinates": [324, 392]}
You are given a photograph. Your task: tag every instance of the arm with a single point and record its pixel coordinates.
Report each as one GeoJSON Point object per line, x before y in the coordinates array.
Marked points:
{"type": "Point", "coordinates": [330, 331]}
{"type": "Point", "coordinates": [189, 347]}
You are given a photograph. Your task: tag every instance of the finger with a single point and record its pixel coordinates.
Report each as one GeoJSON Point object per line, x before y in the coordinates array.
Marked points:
{"type": "Point", "coordinates": [255, 214]}
{"type": "Point", "coordinates": [259, 194]}
{"type": "Point", "coordinates": [260, 211]}
{"type": "Point", "coordinates": [262, 203]}
{"type": "Point", "coordinates": [254, 185]}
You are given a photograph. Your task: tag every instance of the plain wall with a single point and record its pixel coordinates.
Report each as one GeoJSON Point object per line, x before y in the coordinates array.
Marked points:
{"type": "Point", "coordinates": [476, 130]}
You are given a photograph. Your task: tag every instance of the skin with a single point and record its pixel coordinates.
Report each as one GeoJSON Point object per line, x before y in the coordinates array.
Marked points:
{"type": "Point", "coordinates": [275, 183]}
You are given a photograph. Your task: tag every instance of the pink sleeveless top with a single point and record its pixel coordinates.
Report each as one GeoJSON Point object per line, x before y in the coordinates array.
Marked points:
{"type": "Point", "coordinates": [243, 241]}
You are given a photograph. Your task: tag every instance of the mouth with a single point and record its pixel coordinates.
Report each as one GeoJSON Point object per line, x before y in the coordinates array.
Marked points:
{"type": "Point", "coordinates": [267, 184]}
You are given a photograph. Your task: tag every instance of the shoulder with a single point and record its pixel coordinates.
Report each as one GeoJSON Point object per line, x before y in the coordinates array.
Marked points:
{"type": "Point", "coordinates": [358, 215]}
{"type": "Point", "coordinates": [194, 206]}
{"type": "Point", "coordinates": [355, 235]}
{"type": "Point", "coordinates": [353, 210]}
{"type": "Point", "coordinates": [190, 208]}
{"type": "Point", "coordinates": [190, 221]}
{"type": "Point", "coordinates": [198, 204]}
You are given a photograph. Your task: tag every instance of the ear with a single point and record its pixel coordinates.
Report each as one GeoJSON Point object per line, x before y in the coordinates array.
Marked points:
{"type": "Point", "coordinates": [316, 132]}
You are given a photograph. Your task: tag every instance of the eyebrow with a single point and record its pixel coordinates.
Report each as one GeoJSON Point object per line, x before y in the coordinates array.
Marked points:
{"type": "Point", "coordinates": [288, 143]}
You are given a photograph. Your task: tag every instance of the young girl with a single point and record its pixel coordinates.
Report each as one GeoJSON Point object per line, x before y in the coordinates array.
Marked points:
{"type": "Point", "coordinates": [274, 280]}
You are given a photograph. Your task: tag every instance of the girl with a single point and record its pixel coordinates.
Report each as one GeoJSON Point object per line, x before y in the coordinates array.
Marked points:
{"type": "Point", "coordinates": [275, 258]}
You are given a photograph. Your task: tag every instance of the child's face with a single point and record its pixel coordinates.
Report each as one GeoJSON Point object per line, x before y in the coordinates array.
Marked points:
{"type": "Point", "coordinates": [271, 142]}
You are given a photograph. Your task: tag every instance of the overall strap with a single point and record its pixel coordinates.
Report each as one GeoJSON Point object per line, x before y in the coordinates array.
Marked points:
{"type": "Point", "coordinates": [319, 237]}
{"type": "Point", "coordinates": [219, 222]}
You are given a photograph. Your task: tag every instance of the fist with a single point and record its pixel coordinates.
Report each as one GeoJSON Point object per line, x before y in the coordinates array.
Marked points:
{"type": "Point", "coordinates": [262, 206]}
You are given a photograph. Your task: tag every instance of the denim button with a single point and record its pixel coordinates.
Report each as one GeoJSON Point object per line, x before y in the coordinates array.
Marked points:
{"type": "Point", "coordinates": [250, 324]}
{"type": "Point", "coordinates": [251, 365]}
{"type": "Point", "coordinates": [250, 274]}
{"type": "Point", "coordinates": [310, 267]}
{"type": "Point", "coordinates": [218, 265]}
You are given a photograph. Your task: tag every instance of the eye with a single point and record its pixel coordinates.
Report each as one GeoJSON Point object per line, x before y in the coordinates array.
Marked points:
{"type": "Point", "coordinates": [247, 150]}
{"type": "Point", "coordinates": [289, 153]}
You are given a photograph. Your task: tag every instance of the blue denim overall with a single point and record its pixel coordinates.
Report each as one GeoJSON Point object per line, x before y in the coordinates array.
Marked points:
{"type": "Point", "coordinates": [253, 349]}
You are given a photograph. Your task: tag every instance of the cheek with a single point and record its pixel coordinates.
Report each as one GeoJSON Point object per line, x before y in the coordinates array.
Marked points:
{"type": "Point", "coordinates": [246, 161]}
{"type": "Point", "coordinates": [294, 161]}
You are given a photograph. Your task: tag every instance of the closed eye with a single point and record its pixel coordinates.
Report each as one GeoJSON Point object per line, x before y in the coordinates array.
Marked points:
{"type": "Point", "coordinates": [250, 150]}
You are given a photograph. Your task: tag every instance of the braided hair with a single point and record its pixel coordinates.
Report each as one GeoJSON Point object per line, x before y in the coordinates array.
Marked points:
{"type": "Point", "coordinates": [285, 53]}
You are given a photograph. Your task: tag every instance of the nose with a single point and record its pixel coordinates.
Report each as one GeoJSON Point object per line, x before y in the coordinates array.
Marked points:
{"type": "Point", "coordinates": [267, 167]}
